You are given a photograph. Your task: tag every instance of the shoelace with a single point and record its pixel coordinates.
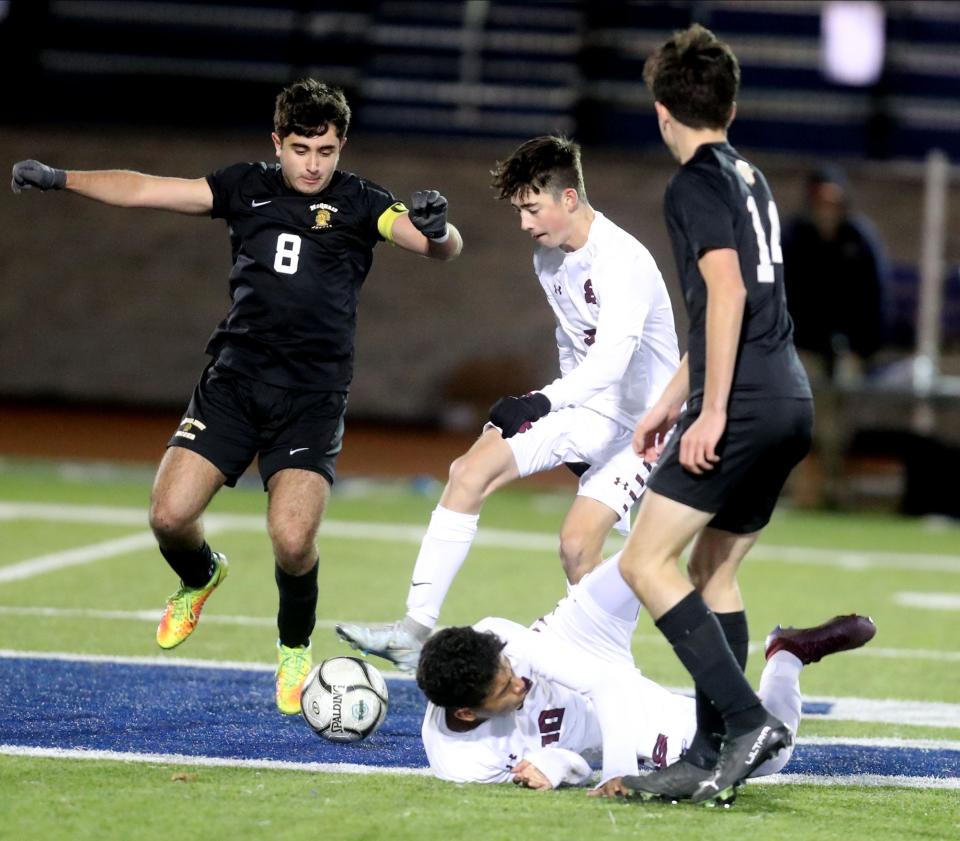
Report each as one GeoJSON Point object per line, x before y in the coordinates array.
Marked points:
{"type": "Point", "coordinates": [293, 673]}
{"type": "Point", "coordinates": [182, 604]}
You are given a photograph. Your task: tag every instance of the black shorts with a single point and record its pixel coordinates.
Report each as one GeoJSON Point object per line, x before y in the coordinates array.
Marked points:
{"type": "Point", "coordinates": [232, 418]}
{"type": "Point", "coordinates": [763, 441]}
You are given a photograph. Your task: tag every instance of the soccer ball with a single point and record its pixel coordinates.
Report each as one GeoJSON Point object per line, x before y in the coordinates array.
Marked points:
{"type": "Point", "coordinates": [344, 699]}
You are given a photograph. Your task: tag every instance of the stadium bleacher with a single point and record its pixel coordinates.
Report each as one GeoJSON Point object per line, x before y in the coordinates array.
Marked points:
{"type": "Point", "coordinates": [493, 68]}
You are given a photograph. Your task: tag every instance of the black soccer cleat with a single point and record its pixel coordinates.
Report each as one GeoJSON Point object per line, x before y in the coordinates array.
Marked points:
{"type": "Point", "coordinates": [675, 782]}
{"type": "Point", "coordinates": [842, 633]}
{"type": "Point", "coordinates": [740, 755]}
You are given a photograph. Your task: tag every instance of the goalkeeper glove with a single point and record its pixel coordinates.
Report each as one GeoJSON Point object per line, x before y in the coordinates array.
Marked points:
{"type": "Point", "coordinates": [428, 212]}
{"type": "Point", "coordinates": [517, 414]}
{"type": "Point", "coordinates": [30, 174]}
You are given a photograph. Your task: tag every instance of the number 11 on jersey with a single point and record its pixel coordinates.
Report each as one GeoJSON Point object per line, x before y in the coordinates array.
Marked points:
{"type": "Point", "coordinates": [773, 253]}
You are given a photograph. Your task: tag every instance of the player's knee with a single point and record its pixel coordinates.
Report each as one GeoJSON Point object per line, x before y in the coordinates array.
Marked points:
{"type": "Point", "coordinates": [168, 520]}
{"type": "Point", "coordinates": [467, 477]}
{"type": "Point", "coordinates": [295, 552]}
{"type": "Point", "coordinates": [701, 572]}
{"type": "Point", "coordinates": [698, 575]}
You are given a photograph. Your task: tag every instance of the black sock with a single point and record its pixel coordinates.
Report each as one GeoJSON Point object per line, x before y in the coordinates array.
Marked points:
{"type": "Point", "coordinates": [704, 750]}
{"type": "Point", "coordinates": [298, 606]}
{"type": "Point", "coordinates": [699, 642]}
{"type": "Point", "coordinates": [194, 566]}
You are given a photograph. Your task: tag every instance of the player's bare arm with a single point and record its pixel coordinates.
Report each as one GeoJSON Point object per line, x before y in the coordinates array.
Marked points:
{"type": "Point", "coordinates": [726, 298]}
{"type": "Point", "coordinates": [425, 229]}
{"type": "Point", "coordinates": [653, 426]}
{"type": "Point", "coordinates": [123, 188]}
{"type": "Point", "coordinates": [117, 187]}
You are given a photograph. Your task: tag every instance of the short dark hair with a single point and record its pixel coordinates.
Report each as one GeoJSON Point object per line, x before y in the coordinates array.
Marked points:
{"type": "Point", "coordinates": [458, 666]}
{"type": "Point", "coordinates": [544, 163]}
{"type": "Point", "coordinates": [696, 76]}
{"type": "Point", "coordinates": [308, 107]}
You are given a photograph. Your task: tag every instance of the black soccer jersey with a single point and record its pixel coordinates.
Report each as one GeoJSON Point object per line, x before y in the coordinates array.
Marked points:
{"type": "Point", "coordinates": [298, 264]}
{"type": "Point", "coordinates": [719, 200]}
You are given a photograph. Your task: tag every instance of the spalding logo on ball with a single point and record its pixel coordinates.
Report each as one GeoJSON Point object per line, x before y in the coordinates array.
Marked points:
{"type": "Point", "coordinates": [344, 699]}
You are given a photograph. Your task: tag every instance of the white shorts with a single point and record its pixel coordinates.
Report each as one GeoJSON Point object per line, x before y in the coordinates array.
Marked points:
{"type": "Point", "coordinates": [617, 475]}
{"type": "Point", "coordinates": [661, 723]}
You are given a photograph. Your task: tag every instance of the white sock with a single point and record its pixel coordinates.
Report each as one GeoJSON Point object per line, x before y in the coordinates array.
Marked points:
{"type": "Point", "coordinates": [780, 692]}
{"type": "Point", "coordinates": [610, 592]}
{"type": "Point", "coordinates": [442, 552]}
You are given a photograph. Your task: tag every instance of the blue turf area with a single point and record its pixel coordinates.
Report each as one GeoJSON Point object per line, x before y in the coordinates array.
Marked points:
{"type": "Point", "coordinates": [229, 713]}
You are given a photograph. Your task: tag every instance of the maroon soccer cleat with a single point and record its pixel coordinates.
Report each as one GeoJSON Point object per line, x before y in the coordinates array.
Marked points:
{"type": "Point", "coordinates": [842, 633]}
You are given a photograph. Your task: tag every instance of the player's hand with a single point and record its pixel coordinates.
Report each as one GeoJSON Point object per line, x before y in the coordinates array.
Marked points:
{"type": "Point", "coordinates": [611, 788]}
{"type": "Point", "coordinates": [529, 776]}
{"type": "Point", "coordinates": [517, 414]}
{"type": "Point", "coordinates": [698, 446]}
{"type": "Point", "coordinates": [651, 432]}
{"type": "Point", "coordinates": [428, 212]}
{"type": "Point", "coordinates": [30, 174]}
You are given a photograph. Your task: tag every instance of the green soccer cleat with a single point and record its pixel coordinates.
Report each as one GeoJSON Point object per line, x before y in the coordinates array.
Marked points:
{"type": "Point", "coordinates": [182, 612]}
{"type": "Point", "coordinates": [293, 666]}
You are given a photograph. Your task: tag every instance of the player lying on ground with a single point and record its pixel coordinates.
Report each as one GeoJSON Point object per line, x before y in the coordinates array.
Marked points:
{"type": "Point", "coordinates": [303, 234]}
{"type": "Point", "coordinates": [536, 705]}
{"type": "Point", "coordinates": [618, 349]}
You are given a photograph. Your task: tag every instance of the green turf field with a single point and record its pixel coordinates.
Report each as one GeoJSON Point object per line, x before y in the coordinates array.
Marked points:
{"type": "Point", "coordinates": [79, 574]}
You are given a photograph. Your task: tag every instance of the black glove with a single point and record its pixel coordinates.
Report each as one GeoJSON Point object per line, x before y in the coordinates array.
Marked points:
{"type": "Point", "coordinates": [30, 174]}
{"type": "Point", "coordinates": [516, 414]}
{"type": "Point", "coordinates": [428, 212]}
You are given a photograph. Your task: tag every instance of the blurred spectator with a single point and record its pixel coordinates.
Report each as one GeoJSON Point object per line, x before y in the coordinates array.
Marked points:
{"type": "Point", "coordinates": [837, 279]}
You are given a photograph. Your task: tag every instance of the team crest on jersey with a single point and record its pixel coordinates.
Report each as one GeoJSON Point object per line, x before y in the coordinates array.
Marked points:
{"type": "Point", "coordinates": [588, 294]}
{"type": "Point", "coordinates": [324, 212]}
{"type": "Point", "coordinates": [189, 427]}
{"type": "Point", "coordinates": [746, 172]}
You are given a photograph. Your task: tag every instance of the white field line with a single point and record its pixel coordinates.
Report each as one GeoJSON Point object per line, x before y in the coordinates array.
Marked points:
{"type": "Point", "coordinates": [175, 662]}
{"type": "Point", "coordinates": [865, 780]}
{"type": "Point", "coordinates": [208, 761]}
{"type": "Point", "coordinates": [146, 616]}
{"type": "Point", "coordinates": [868, 651]}
{"type": "Point", "coordinates": [76, 557]}
{"type": "Point", "coordinates": [498, 538]}
{"type": "Point", "coordinates": [82, 555]}
{"type": "Point", "coordinates": [888, 711]}
{"type": "Point", "coordinates": [882, 742]}
{"type": "Point", "coordinates": [929, 601]}
{"type": "Point", "coordinates": [158, 660]}
{"type": "Point", "coordinates": [868, 780]}
{"type": "Point", "coordinates": [210, 618]}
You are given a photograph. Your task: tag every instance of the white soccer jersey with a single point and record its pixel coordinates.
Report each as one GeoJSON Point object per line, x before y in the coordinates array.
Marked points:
{"type": "Point", "coordinates": [587, 700]}
{"type": "Point", "coordinates": [615, 330]}
{"type": "Point", "coordinates": [560, 727]}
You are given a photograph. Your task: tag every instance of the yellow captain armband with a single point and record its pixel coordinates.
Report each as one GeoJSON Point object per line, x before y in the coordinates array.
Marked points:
{"type": "Point", "coordinates": [388, 217]}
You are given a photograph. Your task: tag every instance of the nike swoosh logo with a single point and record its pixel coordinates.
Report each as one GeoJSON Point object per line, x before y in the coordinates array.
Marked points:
{"type": "Point", "coordinates": [298, 450]}
{"type": "Point", "coordinates": [419, 583]}
{"type": "Point", "coordinates": [256, 203]}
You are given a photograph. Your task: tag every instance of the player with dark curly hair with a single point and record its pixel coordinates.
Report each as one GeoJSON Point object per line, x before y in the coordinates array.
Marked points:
{"type": "Point", "coordinates": [458, 667]}
{"type": "Point", "coordinates": [537, 705]}
{"type": "Point", "coordinates": [303, 234]}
